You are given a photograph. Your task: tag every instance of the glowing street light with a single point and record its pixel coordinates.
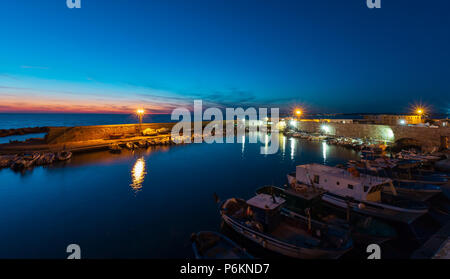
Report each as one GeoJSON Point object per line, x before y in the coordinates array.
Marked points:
{"type": "Point", "coordinates": [420, 111]}
{"type": "Point", "coordinates": [140, 113]}
{"type": "Point", "coordinates": [298, 112]}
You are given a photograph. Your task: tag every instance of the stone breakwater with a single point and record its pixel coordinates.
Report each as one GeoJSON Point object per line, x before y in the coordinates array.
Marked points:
{"type": "Point", "coordinates": [429, 138]}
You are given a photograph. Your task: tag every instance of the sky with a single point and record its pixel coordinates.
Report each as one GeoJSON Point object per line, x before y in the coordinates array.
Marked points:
{"type": "Point", "coordinates": [329, 56]}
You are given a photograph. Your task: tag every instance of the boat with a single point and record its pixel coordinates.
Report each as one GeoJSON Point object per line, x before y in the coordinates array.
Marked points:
{"type": "Point", "coordinates": [307, 201]}
{"type": "Point", "coordinates": [64, 155]}
{"type": "Point", "coordinates": [7, 160]}
{"type": "Point", "coordinates": [142, 144]}
{"type": "Point", "coordinates": [414, 190]}
{"type": "Point", "coordinates": [115, 148]}
{"type": "Point", "coordinates": [25, 161]}
{"type": "Point", "coordinates": [410, 188]}
{"type": "Point", "coordinates": [46, 159]}
{"type": "Point", "coordinates": [213, 245]}
{"type": "Point", "coordinates": [130, 145]}
{"type": "Point", "coordinates": [261, 220]}
{"type": "Point", "coordinates": [360, 192]}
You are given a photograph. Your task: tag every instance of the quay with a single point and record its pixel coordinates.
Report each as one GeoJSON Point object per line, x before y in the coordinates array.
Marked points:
{"type": "Point", "coordinates": [85, 138]}
{"type": "Point", "coordinates": [437, 247]}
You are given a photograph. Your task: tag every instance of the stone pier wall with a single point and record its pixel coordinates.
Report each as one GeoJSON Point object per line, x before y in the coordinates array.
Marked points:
{"type": "Point", "coordinates": [428, 137]}
{"type": "Point", "coordinates": [58, 135]}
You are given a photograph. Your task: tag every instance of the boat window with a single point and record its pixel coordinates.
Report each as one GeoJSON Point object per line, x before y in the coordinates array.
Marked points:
{"type": "Point", "coordinates": [366, 188]}
{"type": "Point", "coordinates": [350, 186]}
{"type": "Point", "coordinates": [316, 179]}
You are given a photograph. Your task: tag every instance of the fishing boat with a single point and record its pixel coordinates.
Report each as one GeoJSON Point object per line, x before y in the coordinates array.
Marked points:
{"type": "Point", "coordinates": [142, 144]}
{"type": "Point", "coordinates": [410, 188]}
{"type": "Point", "coordinates": [130, 145]}
{"type": "Point", "coordinates": [46, 159]}
{"type": "Point", "coordinates": [25, 161]}
{"type": "Point", "coordinates": [261, 220]}
{"type": "Point", "coordinates": [361, 193]}
{"type": "Point", "coordinates": [213, 245]}
{"type": "Point", "coordinates": [7, 160]}
{"type": "Point", "coordinates": [64, 155]}
{"type": "Point", "coordinates": [307, 202]}
{"type": "Point", "coordinates": [115, 148]}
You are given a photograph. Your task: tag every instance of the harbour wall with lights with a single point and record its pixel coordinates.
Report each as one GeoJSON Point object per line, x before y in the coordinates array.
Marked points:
{"type": "Point", "coordinates": [428, 137]}
{"type": "Point", "coordinates": [60, 135]}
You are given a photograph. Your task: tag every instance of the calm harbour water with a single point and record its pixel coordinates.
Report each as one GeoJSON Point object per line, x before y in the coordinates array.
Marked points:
{"type": "Point", "coordinates": [139, 204]}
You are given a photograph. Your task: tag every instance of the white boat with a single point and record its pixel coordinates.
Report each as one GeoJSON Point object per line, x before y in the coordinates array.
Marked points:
{"type": "Point", "coordinates": [359, 192]}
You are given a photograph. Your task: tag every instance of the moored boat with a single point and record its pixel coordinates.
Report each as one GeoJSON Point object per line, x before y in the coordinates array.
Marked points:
{"type": "Point", "coordinates": [213, 245]}
{"type": "Point", "coordinates": [130, 145]}
{"type": "Point", "coordinates": [260, 219]}
{"type": "Point", "coordinates": [115, 148]}
{"type": "Point", "coordinates": [360, 192]}
{"type": "Point", "coordinates": [25, 161]}
{"type": "Point", "coordinates": [64, 155]}
{"type": "Point", "coordinates": [307, 202]}
{"type": "Point", "coordinates": [46, 159]}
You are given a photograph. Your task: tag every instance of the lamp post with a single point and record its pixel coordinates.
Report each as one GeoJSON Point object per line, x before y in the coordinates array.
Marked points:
{"type": "Point", "coordinates": [140, 113]}
{"type": "Point", "coordinates": [420, 111]}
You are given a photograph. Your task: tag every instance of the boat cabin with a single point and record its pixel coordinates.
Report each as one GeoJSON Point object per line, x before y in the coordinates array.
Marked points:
{"type": "Point", "coordinates": [343, 182]}
{"type": "Point", "coordinates": [266, 210]}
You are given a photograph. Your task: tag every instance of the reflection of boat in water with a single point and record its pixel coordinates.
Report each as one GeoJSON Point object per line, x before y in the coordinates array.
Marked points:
{"type": "Point", "coordinates": [308, 202]}
{"type": "Point", "coordinates": [359, 192]}
{"type": "Point", "coordinates": [260, 219]}
{"type": "Point", "coordinates": [213, 245]}
{"type": "Point", "coordinates": [138, 174]}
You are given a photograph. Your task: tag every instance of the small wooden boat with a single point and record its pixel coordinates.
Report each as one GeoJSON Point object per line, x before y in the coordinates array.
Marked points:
{"type": "Point", "coordinates": [24, 162]}
{"type": "Point", "coordinates": [64, 155]}
{"type": "Point", "coordinates": [360, 192]}
{"type": "Point", "coordinates": [7, 160]}
{"type": "Point", "coordinates": [162, 131]}
{"type": "Point", "coordinates": [116, 136]}
{"type": "Point", "coordinates": [142, 144]}
{"type": "Point", "coordinates": [260, 219]}
{"type": "Point", "coordinates": [308, 202]}
{"type": "Point", "coordinates": [213, 245]}
{"type": "Point", "coordinates": [115, 148]}
{"type": "Point", "coordinates": [130, 145]}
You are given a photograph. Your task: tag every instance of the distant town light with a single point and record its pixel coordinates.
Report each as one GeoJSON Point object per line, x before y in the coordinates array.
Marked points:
{"type": "Point", "coordinates": [298, 112]}
{"type": "Point", "coordinates": [293, 123]}
{"type": "Point", "coordinates": [326, 128]}
{"type": "Point", "coordinates": [402, 121]}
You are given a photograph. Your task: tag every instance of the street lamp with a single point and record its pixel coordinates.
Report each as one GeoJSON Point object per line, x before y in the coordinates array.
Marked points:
{"type": "Point", "coordinates": [298, 112]}
{"type": "Point", "coordinates": [420, 111]}
{"type": "Point", "coordinates": [140, 113]}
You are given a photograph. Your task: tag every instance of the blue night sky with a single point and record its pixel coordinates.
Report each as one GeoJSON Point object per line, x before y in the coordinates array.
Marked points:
{"type": "Point", "coordinates": [326, 55]}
